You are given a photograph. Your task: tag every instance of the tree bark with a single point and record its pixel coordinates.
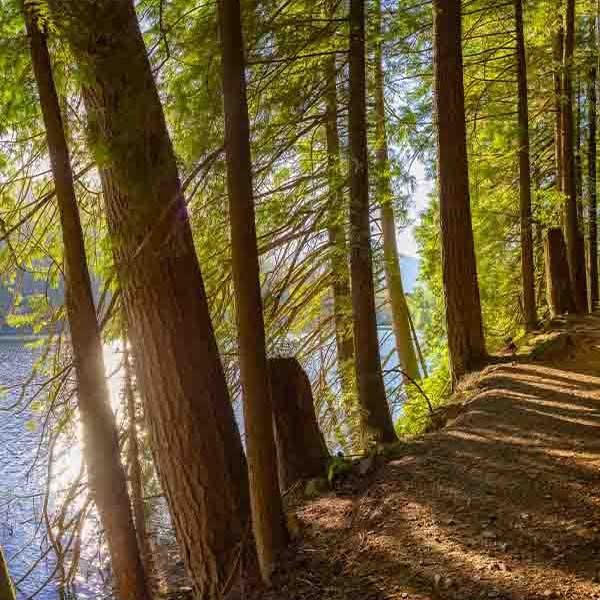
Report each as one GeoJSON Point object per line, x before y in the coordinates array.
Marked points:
{"type": "Point", "coordinates": [301, 449]}
{"type": "Point", "coordinates": [136, 479]}
{"type": "Point", "coordinates": [558, 50]}
{"type": "Point", "coordinates": [399, 307]}
{"type": "Point", "coordinates": [340, 272]}
{"type": "Point", "coordinates": [267, 509]}
{"type": "Point", "coordinates": [193, 431]}
{"type": "Point", "coordinates": [100, 437]}
{"type": "Point", "coordinates": [464, 325]}
{"type": "Point", "coordinates": [592, 183]}
{"type": "Point", "coordinates": [375, 414]}
{"type": "Point", "coordinates": [558, 285]}
{"type": "Point", "coordinates": [573, 238]}
{"type": "Point", "coordinates": [527, 262]}
{"type": "Point", "coordinates": [7, 590]}
{"type": "Point", "coordinates": [578, 162]}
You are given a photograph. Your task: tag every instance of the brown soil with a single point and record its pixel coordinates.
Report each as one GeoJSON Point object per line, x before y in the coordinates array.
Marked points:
{"type": "Point", "coordinates": [504, 503]}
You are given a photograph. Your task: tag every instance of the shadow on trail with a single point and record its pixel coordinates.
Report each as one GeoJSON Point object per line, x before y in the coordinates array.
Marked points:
{"type": "Point", "coordinates": [503, 504]}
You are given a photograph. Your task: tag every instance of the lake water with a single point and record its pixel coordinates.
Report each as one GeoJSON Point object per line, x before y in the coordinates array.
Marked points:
{"type": "Point", "coordinates": [21, 486]}
{"type": "Point", "coordinates": [23, 476]}
{"type": "Point", "coordinates": [23, 533]}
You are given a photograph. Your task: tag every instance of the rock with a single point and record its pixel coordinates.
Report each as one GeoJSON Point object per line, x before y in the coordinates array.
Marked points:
{"type": "Point", "coordinates": [315, 487]}
{"type": "Point", "coordinates": [489, 535]}
{"type": "Point", "coordinates": [366, 466]}
{"type": "Point", "coordinates": [437, 578]}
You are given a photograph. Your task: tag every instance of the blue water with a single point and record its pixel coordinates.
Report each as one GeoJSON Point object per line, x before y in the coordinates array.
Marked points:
{"type": "Point", "coordinates": [23, 475]}
{"type": "Point", "coordinates": [21, 485]}
{"type": "Point", "coordinates": [22, 478]}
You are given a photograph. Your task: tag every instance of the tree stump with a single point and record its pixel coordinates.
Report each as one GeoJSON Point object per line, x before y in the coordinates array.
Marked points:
{"type": "Point", "coordinates": [301, 449]}
{"type": "Point", "coordinates": [558, 284]}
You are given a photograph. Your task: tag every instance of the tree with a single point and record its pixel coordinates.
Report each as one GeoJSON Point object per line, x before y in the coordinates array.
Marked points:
{"type": "Point", "coordinates": [133, 458]}
{"type": "Point", "coordinates": [466, 345]}
{"type": "Point", "coordinates": [558, 50]}
{"type": "Point", "coordinates": [375, 415]}
{"type": "Point", "coordinates": [100, 437]}
{"type": "Point", "coordinates": [592, 277]}
{"type": "Point", "coordinates": [527, 262]}
{"type": "Point", "coordinates": [267, 510]}
{"type": "Point", "coordinates": [399, 307]}
{"type": "Point", "coordinates": [7, 590]}
{"type": "Point", "coordinates": [194, 435]}
{"type": "Point", "coordinates": [558, 285]}
{"type": "Point", "coordinates": [340, 273]}
{"type": "Point", "coordinates": [573, 239]}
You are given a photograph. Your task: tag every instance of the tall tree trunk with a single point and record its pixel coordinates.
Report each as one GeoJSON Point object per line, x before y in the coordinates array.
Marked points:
{"type": "Point", "coordinates": [464, 325]}
{"type": "Point", "coordinates": [100, 438]}
{"type": "Point", "coordinates": [558, 286]}
{"type": "Point", "coordinates": [7, 590]}
{"type": "Point", "coordinates": [592, 183]}
{"type": "Point", "coordinates": [267, 510]}
{"type": "Point", "coordinates": [400, 317]}
{"type": "Point", "coordinates": [527, 262]}
{"type": "Point", "coordinates": [578, 161]}
{"type": "Point", "coordinates": [136, 479]}
{"type": "Point", "coordinates": [375, 414]}
{"type": "Point", "coordinates": [340, 272]}
{"type": "Point", "coordinates": [558, 49]}
{"type": "Point", "coordinates": [573, 239]}
{"type": "Point", "coordinates": [193, 431]}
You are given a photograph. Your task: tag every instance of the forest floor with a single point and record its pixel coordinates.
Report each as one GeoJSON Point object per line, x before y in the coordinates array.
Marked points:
{"type": "Point", "coordinates": [503, 503]}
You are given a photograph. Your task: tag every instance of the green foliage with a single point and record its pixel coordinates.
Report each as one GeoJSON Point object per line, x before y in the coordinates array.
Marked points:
{"type": "Point", "coordinates": [416, 413]}
{"type": "Point", "coordinates": [338, 468]}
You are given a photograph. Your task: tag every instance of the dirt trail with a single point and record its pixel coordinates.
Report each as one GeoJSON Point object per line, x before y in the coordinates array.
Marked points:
{"type": "Point", "coordinates": [504, 503]}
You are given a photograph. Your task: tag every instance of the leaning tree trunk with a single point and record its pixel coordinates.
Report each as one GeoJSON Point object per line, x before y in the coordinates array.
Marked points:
{"type": "Point", "coordinates": [375, 414]}
{"type": "Point", "coordinates": [193, 431]}
{"type": "Point", "coordinates": [592, 277]}
{"type": "Point", "coordinates": [399, 307]}
{"type": "Point", "coordinates": [267, 509]}
{"type": "Point", "coordinates": [7, 590]}
{"type": "Point", "coordinates": [301, 449]}
{"type": "Point", "coordinates": [464, 325]}
{"type": "Point", "coordinates": [100, 437]}
{"type": "Point", "coordinates": [340, 273]}
{"type": "Point", "coordinates": [558, 283]}
{"type": "Point", "coordinates": [527, 262]}
{"type": "Point", "coordinates": [573, 237]}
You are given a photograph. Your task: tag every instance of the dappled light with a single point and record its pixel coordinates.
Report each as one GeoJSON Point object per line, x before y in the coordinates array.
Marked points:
{"type": "Point", "coordinates": [299, 300]}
